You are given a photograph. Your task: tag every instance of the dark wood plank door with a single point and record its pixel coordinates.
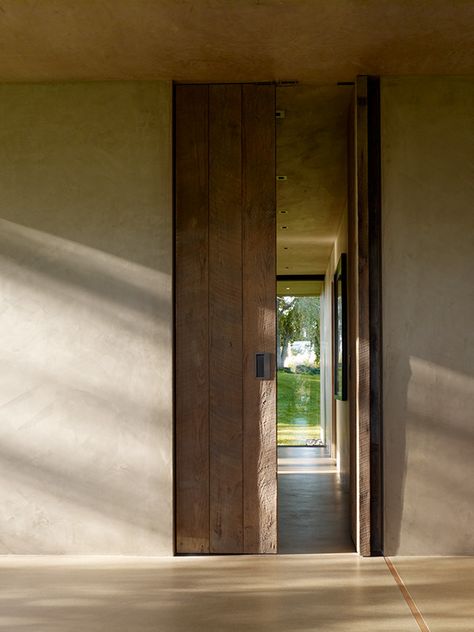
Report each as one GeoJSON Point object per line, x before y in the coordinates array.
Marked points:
{"type": "Point", "coordinates": [225, 313]}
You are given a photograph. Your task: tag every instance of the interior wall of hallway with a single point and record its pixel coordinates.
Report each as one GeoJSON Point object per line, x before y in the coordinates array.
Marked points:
{"type": "Point", "coordinates": [428, 299]}
{"type": "Point", "coordinates": [335, 410]}
{"type": "Point", "coordinates": [86, 313]}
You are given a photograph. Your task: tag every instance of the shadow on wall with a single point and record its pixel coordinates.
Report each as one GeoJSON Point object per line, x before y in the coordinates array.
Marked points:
{"type": "Point", "coordinates": [428, 387]}
{"type": "Point", "coordinates": [429, 392]}
{"type": "Point", "coordinates": [428, 298]}
{"type": "Point", "coordinates": [433, 507]}
{"type": "Point", "coordinates": [85, 412]}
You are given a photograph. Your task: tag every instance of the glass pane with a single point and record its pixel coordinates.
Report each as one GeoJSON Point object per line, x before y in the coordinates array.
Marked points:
{"type": "Point", "coordinates": [299, 418]}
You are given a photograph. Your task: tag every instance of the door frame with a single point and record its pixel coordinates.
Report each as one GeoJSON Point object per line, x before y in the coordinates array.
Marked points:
{"type": "Point", "coordinates": [367, 231]}
{"type": "Point", "coordinates": [365, 227]}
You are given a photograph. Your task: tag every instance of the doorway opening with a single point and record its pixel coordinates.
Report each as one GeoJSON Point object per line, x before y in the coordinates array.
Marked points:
{"type": "Point", "coordinates": [228, 208]}
{"type": "Point", "coordinates": [299, 366]}
{"type": "Point", "coordinates": [313, 434]}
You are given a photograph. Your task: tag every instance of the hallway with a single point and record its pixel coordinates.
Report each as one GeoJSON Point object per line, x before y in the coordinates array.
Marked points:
{"type": "Point", "coordinates": [303, 593]}
{"type": "Point", "coordinates": [313, 508]}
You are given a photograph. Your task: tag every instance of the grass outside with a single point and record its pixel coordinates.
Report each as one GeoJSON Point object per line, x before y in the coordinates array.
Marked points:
{"type": "Point", "coordinates": [299, 417]}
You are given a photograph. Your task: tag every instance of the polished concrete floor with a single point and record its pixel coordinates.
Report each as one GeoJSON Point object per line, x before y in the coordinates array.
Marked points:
{"type": "Point", "coordinates": [337, 592]}
{"type": "Point", "coordinates": [442, 589]}
{"type": "Point", "coordinates": [286, 593]}
{"type": "Point", "coordinates": [313, 508]}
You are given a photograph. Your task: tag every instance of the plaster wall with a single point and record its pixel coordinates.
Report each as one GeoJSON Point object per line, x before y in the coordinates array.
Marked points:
{"type": "Point", "coordinates": [86, 318]}
{"type": "Point", "coordinates": [428, 308]}
{"type": "Point", "coordinates": [335, 409]}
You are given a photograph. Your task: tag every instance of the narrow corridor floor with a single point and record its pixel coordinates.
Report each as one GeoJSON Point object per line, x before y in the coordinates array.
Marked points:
{"type": "Point", "coordinates": [313, 507]}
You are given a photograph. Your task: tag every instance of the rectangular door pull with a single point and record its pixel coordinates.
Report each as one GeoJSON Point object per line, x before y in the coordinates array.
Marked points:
{"type": "Point", "coordinates": [263, 366]}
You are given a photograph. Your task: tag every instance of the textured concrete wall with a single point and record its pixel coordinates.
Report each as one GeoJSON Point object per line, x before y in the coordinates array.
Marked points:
{"type": "Point", "coordinates": [428, 307]}
{"type": "Point", "coordinates": [86, 315]}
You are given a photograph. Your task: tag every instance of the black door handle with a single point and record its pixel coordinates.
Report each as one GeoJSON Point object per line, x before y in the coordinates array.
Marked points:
{"type": "Point", "coordinates": [263, 366]}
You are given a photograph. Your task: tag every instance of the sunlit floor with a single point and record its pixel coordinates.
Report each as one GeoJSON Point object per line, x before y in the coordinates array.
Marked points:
{"type": "Point", "coordinates": [287, 593]}
{"type": "Point", "coordinates": [313, 508]}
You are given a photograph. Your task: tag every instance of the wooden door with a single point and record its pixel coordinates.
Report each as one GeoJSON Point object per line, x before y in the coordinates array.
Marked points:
{"type": "Point", "coordinates": [226, 475]}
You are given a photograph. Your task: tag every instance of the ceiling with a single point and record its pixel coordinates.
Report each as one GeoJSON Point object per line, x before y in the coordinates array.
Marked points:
{"type": "Point", "coordinates": [233, 40]}
{"type": "Point", "coordinates": [312, 156]}
{"type": "Point", "coordinates": [299, 288]}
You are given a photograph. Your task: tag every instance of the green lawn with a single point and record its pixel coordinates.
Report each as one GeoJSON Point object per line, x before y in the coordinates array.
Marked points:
{"type": "Point", "coordinates": [298, 408]}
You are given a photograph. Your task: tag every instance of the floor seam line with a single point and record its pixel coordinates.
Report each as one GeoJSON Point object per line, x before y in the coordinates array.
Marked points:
{"type": "Point", "coordinates": [420, 620]}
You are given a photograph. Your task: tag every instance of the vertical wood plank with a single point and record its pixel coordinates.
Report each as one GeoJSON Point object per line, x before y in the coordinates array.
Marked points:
{"type": "Point", "coordinates": [259, 317]}
{"type": "Point", "coordinates": [363, 333]}
{"type": "Point", "coordinates": [375, 306]}
{"type": "Point", "coordinates": [352, 314]}
{"type": "Point", "coordinates": [192, 344]}
{"type": "Point", "coordinates": [225, 319]}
